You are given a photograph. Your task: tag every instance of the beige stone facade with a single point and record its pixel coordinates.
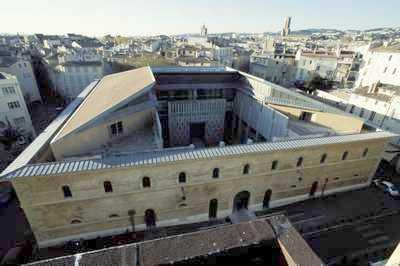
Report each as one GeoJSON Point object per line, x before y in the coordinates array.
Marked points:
{"type": "Point", "coordinates": [50, 214]}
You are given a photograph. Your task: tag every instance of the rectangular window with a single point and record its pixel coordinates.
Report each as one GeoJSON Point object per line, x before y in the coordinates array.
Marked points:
{"type": "Point", "coordinates": [351, 109]}
{"type": "Point", "coordinates": [384, 70]}
{"type": "Point", "coordinates": [13, 105]}
{"type": "Point", "coordinates": [116, 129]}
{"type": "Point", "coordinates": [394, 71]}
{"type": "Point", "coordinates": [372, 116]}
{"type": "Point", "coordinates": [8, 91]}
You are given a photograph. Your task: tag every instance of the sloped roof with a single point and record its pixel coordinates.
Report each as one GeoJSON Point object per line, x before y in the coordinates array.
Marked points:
{"type": "Point", "coordinates": [111, 91]}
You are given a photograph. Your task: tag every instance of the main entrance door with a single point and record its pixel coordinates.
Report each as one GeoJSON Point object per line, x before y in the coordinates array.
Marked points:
{"type": "Point", "coordinates": [241, 201]}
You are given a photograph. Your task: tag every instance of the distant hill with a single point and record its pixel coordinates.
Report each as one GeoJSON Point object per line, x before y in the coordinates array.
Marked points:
{"type": "Point", "coordinates": [316, 31]}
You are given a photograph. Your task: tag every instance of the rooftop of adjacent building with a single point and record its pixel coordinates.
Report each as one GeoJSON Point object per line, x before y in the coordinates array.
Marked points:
{"type": "Point", "coordinates": [269, 240]}
{"type": "Point", "coordinates": [387, 48]}
{"type": "Point", "coordinates": [379, 91]}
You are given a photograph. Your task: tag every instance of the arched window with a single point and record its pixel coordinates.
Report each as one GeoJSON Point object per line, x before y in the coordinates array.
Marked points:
{"type": "Point", "coordinates": [365, 152]}
{"type": "Point", "coordinates": [67, 191]}
{"type": "Point", "coordinates": [213, 208]}
{"type": "Point", "coordinates": [76, 221]}
{"type": "Point", "coordinates": [107, 186]}
{"type": "Point", "coordinates": [182, 177]}
{"type": "Point", "coordinates": [146, 182]}
{"type": "Point", "coordinates": [299, 162]}
{"type": "Point", "coordinates": [215, 173]}
{"type": "Point", "coordinates": [345, 154]}
{"type": "Point", "coordinates": [114, 215]}
{"type": "Point", "coordinates": [246, 169]}
{"type": "Point", "coordinates": [323, 158]}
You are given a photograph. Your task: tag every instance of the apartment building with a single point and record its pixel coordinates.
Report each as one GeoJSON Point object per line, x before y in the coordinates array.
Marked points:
{"type": "Point", "coordinates": [21, 69]}
{"type": "Point", "coordinates": [13, 111]}
{"type": "Point", "coordinates": [380, 64]}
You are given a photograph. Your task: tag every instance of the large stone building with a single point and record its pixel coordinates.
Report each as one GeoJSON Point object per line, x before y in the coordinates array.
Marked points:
{"type": "Point", "coordinates": [166, 146]}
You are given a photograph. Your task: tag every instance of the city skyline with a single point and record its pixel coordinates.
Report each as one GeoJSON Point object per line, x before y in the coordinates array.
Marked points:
{"type": "Point", "coordinates": [96, 18]}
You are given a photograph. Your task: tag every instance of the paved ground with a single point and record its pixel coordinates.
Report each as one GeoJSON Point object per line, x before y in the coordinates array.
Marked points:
{"type": "Point", "coordinates": [357, 226]}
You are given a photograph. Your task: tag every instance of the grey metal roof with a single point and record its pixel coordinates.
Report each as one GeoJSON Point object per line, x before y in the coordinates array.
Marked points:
{"type": "Point", "coordinates": [173, 155]}
{"type": "Point", "coordinates": [45, 137]}
{"type": "Point", "coordinates": [191, 69]}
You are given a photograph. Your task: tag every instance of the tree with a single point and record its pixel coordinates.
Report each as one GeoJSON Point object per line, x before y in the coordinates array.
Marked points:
{"type": "Point", "coordinates": [9, 136]}
{"type": "Point", "coordinates": [319, 83]}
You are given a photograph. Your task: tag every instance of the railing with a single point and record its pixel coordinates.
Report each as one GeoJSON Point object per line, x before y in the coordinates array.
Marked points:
{"type": "Point", "coordinates": [293, 102]}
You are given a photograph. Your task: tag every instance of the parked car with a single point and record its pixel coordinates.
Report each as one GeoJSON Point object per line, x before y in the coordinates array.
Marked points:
{"type": "Point", "coordinates": [387, 187]}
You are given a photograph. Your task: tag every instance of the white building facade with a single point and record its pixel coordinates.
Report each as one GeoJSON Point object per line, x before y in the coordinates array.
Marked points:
{"type": "Point", "coordinates": [13, 110]}
{"type": "Point", "coordinates": [224, 55]}
{"type": "Point", "coordinates": [23, 71]}
{"type": "Point", "coordinates": [323, 64]}
{"type": "Point", "coordinates": [380, 64]}
{"type": "Point", "coordinates": [75, 70]}
{"type": "Point", "coordinates": [379, 105]}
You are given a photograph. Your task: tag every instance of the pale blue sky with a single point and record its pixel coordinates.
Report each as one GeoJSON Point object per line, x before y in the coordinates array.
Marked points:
{"type": "Point", "coordinates": [150, 17]}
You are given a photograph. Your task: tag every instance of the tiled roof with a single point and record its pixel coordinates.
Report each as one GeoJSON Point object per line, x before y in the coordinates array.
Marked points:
{"type": "Point", "coordinates": [203, 243]}
{"type": "Point", "coordinates": [173, 155]}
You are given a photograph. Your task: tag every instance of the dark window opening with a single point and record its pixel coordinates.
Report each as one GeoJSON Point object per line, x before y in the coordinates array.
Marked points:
{"type": "Point", "coordinates": [274, 165]}
{"type": "Point", "coordinates": [215, 173]}
{"type": "Point", "coordinates": [146, 182]}
{"type": "Point", "coordinates": [76, 221]}
{"type": "Point", "coordinates": [344, 156]}
{"type": "Point", "coordinates": [365, 152]}
{"type": "Point", "coordinates": [107, 186]}
{"type": "Point", "coordinates": [246, 169]}
{"type": "Point", "coordinates": [213, 208]}
{"type": "Point", "coordinates": [67, 191]}
{"type": "Point", "coordinates": [323, 158]}
{"type": "Point", "coordinates": [113, 215]}
{"type": "Point", "coordinates": [267, 198]}
{"type": "Point", "coordinates": [182, 177]}
{"type": "Point", "coordinates": [299, 162]}
{"type": "Point", "coordinates": [313, 188]}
